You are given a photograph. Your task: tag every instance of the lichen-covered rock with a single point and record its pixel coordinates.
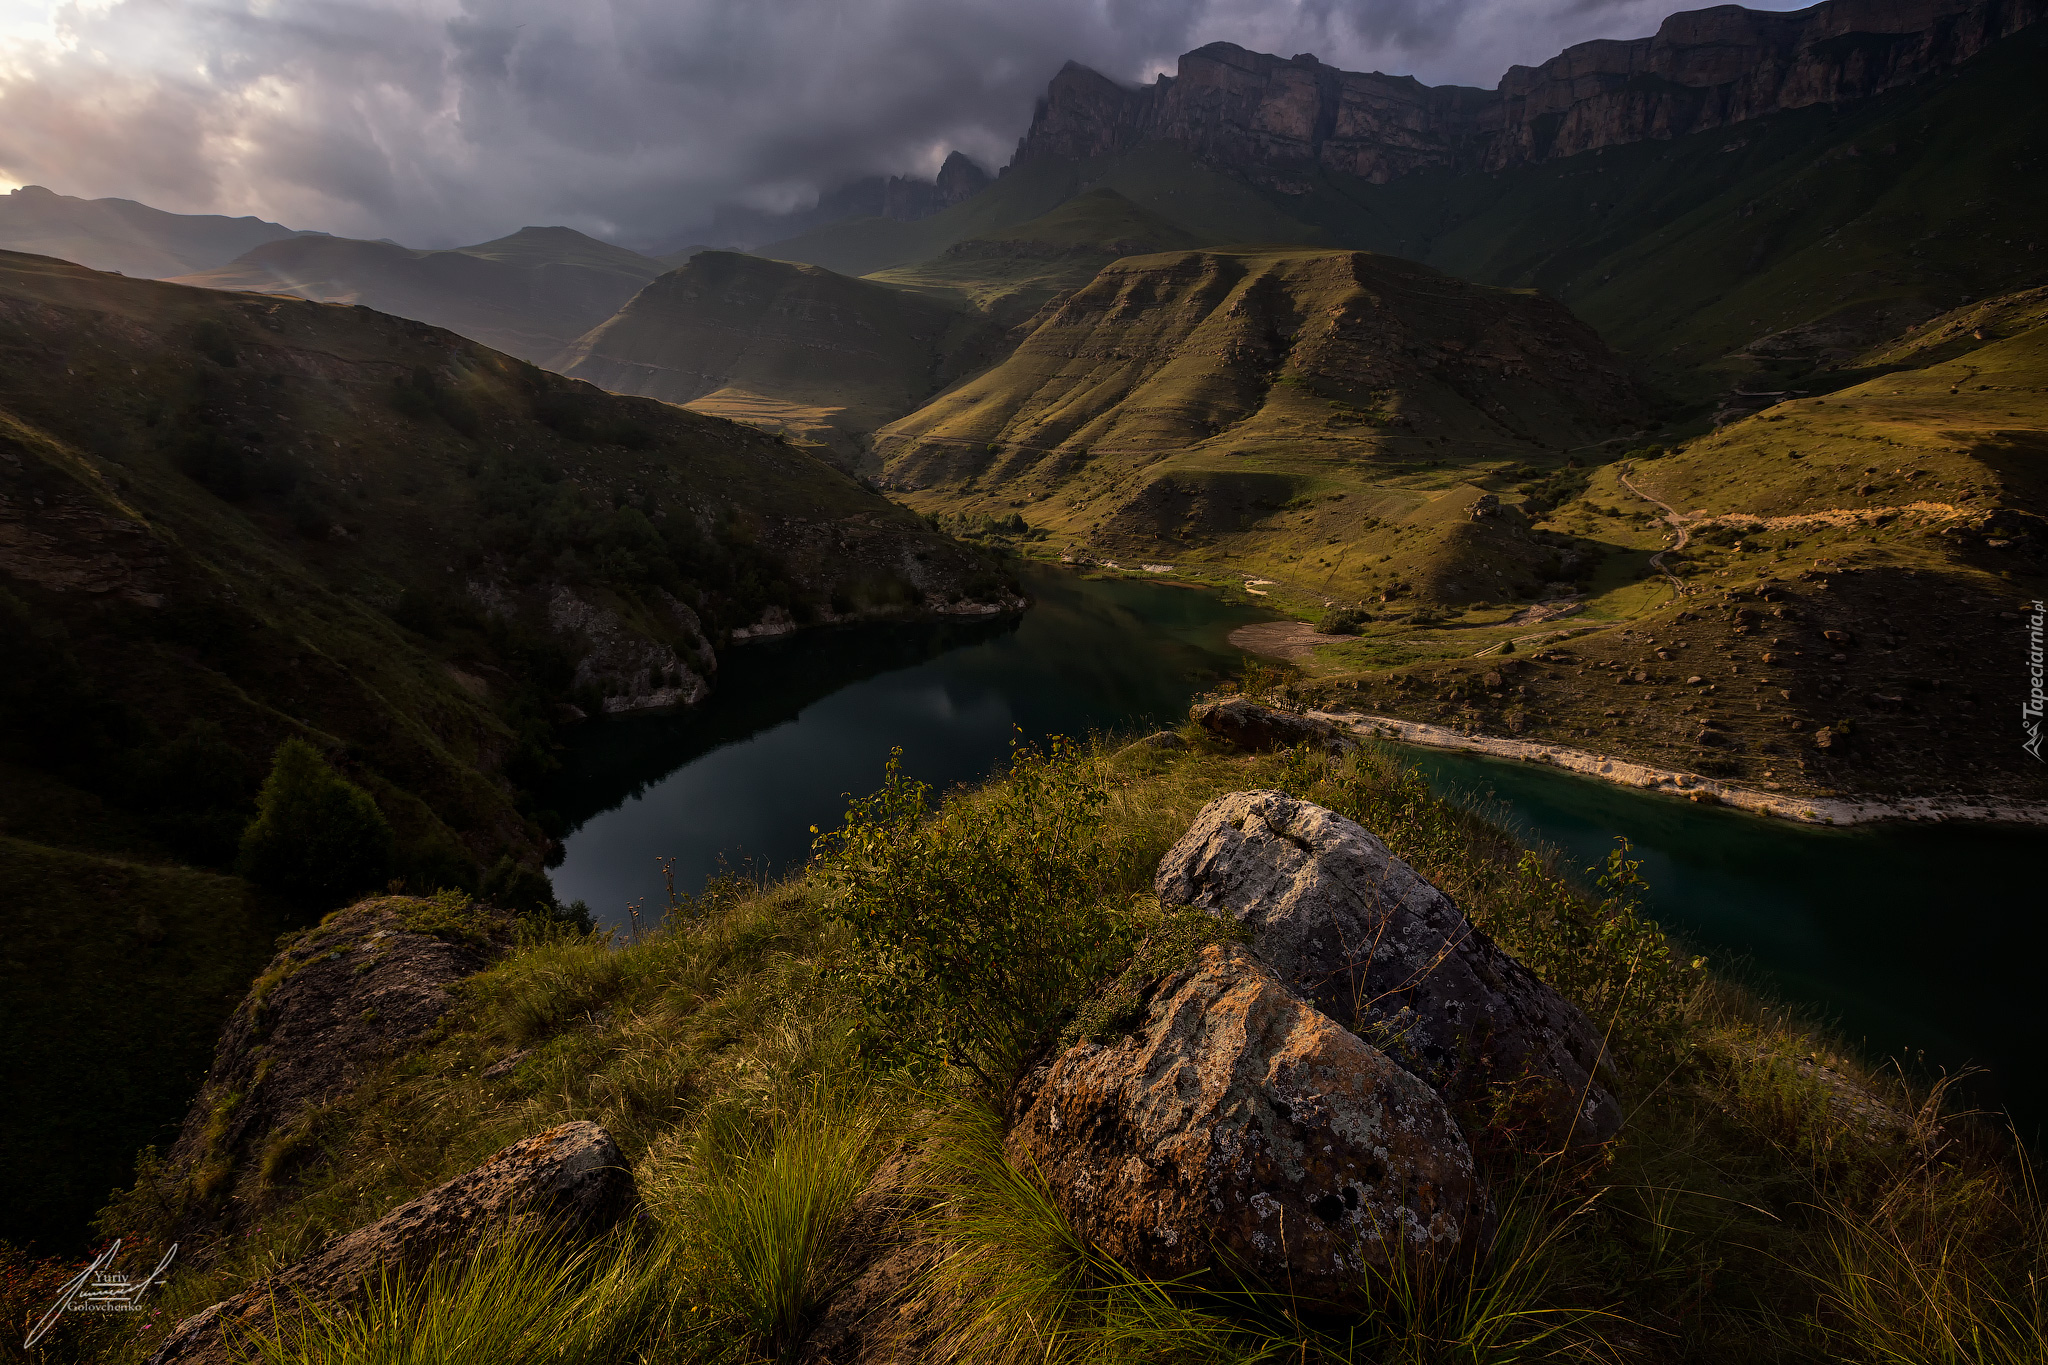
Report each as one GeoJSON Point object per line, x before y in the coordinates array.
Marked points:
{"type": "Point", "coordinates": [1251, 726]}
{"type": "Point", "coordinates": [1386, 954]}
{"type": "Point", "coordinates": [568, 1181]}
{"type": "Point", "coordinates": [1241, 1126]}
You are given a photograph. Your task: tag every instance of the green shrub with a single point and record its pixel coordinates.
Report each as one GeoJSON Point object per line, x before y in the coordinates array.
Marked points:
{"type": "Point", "coordinates": [979, 929]}
{"type": "Point", "coordinates": [317, 837]}
{"type": "Point", "coordinates": [1343, 621]}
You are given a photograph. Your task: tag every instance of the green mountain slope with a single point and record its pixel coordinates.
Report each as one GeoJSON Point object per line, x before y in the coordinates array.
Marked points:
{"type": "Point", "coordinates": [793, 348]}
{"type": "Point", "coordinates": [1749, 256]}
{"type": "Point", "coordinates": [1011, 272]}
{"type": "Point", "coordinates": [529, 294]}
{"type": "Point", "coordinates": [1846, 610]}
{"type": "Point", "coordinates": [229, 520]}
{"type": "Point", "coordinates": [1244, 409]}
{"type": "Point", "coordinates": [1759, 254]}
{"type": "Point", "coordinates": [126, 237]}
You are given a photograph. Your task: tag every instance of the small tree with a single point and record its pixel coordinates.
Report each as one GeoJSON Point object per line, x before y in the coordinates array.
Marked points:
{"type": "Point", "coordinates": [317, 837]}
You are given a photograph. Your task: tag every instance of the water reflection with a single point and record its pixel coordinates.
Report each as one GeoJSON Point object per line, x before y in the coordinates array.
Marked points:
{"type": "Point", "coordinates": [798, 723]}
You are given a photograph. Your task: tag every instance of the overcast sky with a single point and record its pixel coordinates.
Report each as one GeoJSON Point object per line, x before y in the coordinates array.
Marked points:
{"type": "Point", "coordinates": [438, 122]}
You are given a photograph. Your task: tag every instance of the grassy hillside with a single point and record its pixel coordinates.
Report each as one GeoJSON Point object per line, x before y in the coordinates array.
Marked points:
{"type": "Point", "coordinates": [529, 294]}
{"type": "Point", "coordinates": [1846, 611]}
{"type": "Point", "coordinates": [1011, 272]}
{"type": "Point", "coordinates": [791, 348]}
{"type": "Point", "coordinates": [226, 521]}
{"type": "Point", "coordinates": [1250, 411]}
{"type": "Point", "coordinates": [124, 236]}
{"type": "Point", "coordinates": [821, 1187]}
{"type": "Point", "coordinates": [117, 972]}
{"type": "Point", "coordinates": [1758, 255]}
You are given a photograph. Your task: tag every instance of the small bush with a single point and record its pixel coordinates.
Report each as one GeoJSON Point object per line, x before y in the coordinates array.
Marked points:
{"type": "Point", "coordinates": [317, 837]}
{"type": "Point", "coordinates": [979, 929]}
{"type": "Point", "coordinates": [1343, 621]}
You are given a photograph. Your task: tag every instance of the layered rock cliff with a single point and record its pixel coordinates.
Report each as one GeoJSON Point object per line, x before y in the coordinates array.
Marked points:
{"type": "Point", "coordinates": [1279, 121]}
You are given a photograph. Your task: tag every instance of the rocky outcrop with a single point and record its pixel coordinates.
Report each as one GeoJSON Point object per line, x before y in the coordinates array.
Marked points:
{"type": "Point", "coordinates": [1239, 1126]}
{"type": "Point", "coordinates": [336, 1001]}
{"type": "Point", "coordinates": [568, 1181]}
{"type": "Point", "coordinates": [632, 669]}
{"type": "Point", "coordinates": [1279, 121]}
{"type": "Point", "coordinates": [1355, 929]}
{"type": "Point", "coordinates": [1258, 728]}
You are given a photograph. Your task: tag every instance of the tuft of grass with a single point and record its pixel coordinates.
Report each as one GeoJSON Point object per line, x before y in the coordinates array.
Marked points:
{"type": "Point", "coordinates": [763, 1208]}
{"type": "Point", "coordinates": [1016, 1283]}
{"type": "Point", "coordinates": [521, 1300]}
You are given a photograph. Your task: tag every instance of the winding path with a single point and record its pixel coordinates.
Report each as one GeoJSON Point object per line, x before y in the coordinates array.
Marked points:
{"type": "Point", "coordinates": [1677, 522]}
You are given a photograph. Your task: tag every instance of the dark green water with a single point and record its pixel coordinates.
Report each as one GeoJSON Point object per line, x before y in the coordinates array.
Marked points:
{"type": "Point", "coordinates": [1923, 944]}
{"type": "Point", "coordinates": [800, 722]}
{"type": "Point", "coordinates": [1920, 943]}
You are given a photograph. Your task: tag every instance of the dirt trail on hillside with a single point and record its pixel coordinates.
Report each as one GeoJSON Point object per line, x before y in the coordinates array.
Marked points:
{"type": "Point", "coordinates": [1677, 522]}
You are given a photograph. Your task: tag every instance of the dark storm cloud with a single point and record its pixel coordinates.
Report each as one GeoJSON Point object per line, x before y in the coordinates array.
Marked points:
{"type": "Point", "coordinates": [437, 121]}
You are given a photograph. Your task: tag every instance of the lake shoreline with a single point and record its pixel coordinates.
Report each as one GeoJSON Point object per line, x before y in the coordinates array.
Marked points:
{"type": "Point", "coordinates": [1808, 810]}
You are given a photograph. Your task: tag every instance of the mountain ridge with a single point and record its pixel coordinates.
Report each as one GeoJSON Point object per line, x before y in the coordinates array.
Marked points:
{"type": "Point", "coordinates": [527, 294]}
{"type": "Point", "coordinates": [1279, 119]}
{"type": "Point", "coordinates": [126, 237]}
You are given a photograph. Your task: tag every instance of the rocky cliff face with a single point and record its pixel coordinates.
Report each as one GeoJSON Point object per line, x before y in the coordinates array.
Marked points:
{"type": "Point", "coordinates": [1280, 121]}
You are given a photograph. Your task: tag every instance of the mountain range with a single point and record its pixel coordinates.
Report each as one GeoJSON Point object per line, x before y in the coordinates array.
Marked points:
{"type": "Point", "coordinates": [1682, 399]}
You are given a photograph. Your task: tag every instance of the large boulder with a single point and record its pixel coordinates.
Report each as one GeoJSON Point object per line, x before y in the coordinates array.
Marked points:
{"type": "Point", "coordinates": [1241, 1125]}
{"type": "Point", "coordinates": [567, 1181]}
{"type": "Point", "coordinates": [1258, 728]}
{"type": "Point", "coordinates": [1380, 950]}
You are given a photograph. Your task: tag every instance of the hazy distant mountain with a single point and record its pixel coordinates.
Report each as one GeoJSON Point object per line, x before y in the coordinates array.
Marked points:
{"type": "Point", "coordinates": [126, 237]}
{"type": "Point", "coordinates": [897, 198]}
{"type": "Point", "coordinates": [790, 348]}
{"type": "Point", "coordinates": [529, 294]}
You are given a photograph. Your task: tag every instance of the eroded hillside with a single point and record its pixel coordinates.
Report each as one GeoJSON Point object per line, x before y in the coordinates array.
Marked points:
{"type": "Point", "coordinates": [1251, 409]}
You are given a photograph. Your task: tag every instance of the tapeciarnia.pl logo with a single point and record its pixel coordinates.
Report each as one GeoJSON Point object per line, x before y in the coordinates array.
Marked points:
{"type": "Point", "coordinates": [2030, 711]}
{"type": "Point", "coordinates": [99, 1288]}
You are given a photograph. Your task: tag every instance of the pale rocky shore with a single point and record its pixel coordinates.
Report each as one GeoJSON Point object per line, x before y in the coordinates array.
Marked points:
{"type": "Point", "coordinates": [1810, 810]}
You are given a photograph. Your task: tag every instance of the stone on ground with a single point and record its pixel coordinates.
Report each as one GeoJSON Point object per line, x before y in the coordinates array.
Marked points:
{"type": "Point", "coordinates": [1258, 728]}
{"type": "Point", "coordinates": [567, 1181]}
{"type": "Point", "coordinates": [1240, 1129]}
{"type": "Point", "coordinates": [1383, 952]}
